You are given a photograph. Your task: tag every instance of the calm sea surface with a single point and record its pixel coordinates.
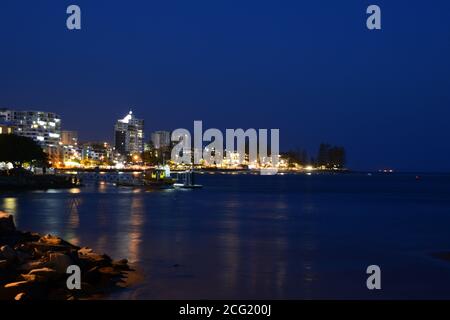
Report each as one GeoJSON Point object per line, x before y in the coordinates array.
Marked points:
{"type": "Point", "coordinates": [268, 237]}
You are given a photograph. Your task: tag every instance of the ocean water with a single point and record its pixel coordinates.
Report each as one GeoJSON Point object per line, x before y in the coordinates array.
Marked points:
{"type": "Point", "coordinates": [260, 237]}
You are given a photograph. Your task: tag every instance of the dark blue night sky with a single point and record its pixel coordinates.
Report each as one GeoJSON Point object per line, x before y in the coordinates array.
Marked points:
{"type": "Point", "coordinates": [310, 68]}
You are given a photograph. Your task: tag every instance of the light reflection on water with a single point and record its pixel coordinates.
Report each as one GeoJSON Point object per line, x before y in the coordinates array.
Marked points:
{"type": "Point", "coordinates": [257, 237]}
{"type": "Point", "coordinates": [10, 206]}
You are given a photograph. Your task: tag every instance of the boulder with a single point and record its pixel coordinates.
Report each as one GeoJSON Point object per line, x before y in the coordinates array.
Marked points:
{"type": "Point", "coordinates": [3, 264]}
{"type": "Point", "coordinates": [23, 256]}
{"type": "Point", "coordinates": [18, 284]}
{"type": "Point", "coordinates": [21, 296]}
{"type": "Point", "coordinates": [11, 290]}
{"type": "Point", "coordinates": [55, 241]}
{"type": "Point", "coordinates": [34, 266]}
{"type": "Point", "coordinates": [51, 240]}
{"type": "Point", "coordinates": [85, 251]}
{"type": "Point", "coordinates": [121, 265]}
{"type": "Point", "coordinates": [28, 266]}
{"type": "Point", "coordinates": [92, 276]}
{"type": "Point", "coordinates": [59, 261]}
{"type": "Point", "coordinates": [51, 243]}
{"type": "Point", "coordinates": [29, 277]}
{"type": "Point", "coordinates": [30, 237]}
{"type": "Point", "coordinates": [122, 262]}
{"type": "Point", "coordinates": [6, 224]}
{"type": "Point", "coordinates": [94, 260]}
{"type": "Point", "coordinates": [8, 253]}
{"type": "Point", "coordinates": [43, 274]}
{"type": "Point", "coordinates": [109, 271]}
{"type": "Point", "coordinates": [23, 289]}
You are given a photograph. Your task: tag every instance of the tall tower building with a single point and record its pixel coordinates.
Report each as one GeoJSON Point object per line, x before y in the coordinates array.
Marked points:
{"type": "Point", "coordinates": [160, 139]}
{"type": "Point", "coordinates": [129, 135]}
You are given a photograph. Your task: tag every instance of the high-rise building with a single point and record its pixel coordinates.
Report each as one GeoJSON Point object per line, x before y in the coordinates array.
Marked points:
{"type": "Point", "coordinates": [42, 127]}
{"type": "Point", "coordinates": [70, 147]}
{"type": "Point", "coordinates": [160, 139]}
{"type": "Point", "coordinates": [69, 138]}
{"type": "Point", "coordinates": [129, 135]}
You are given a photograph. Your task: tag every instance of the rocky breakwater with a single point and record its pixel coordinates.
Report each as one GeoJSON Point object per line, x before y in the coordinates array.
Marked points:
{"type": "Point", "coordinates": [34, 266]}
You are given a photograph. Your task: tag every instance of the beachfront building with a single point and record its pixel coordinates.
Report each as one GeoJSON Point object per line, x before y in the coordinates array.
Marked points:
{"type": "Point", "coordinates": [160, 139]}
{"type": "Point", "coordinates": [6, 127]}
{"type": "Point", "coordinates": [129, 135]}
{"type": "Point", "coordinates": [96, 153]}
{"type": "Point", "coordinates": [70, 148]}
{"type": "Point", "coordinates": [43, 127]}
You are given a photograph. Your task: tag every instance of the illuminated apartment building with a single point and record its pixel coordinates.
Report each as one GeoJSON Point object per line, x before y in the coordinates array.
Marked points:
{"type": "Point", "coordinates": [129, 135]}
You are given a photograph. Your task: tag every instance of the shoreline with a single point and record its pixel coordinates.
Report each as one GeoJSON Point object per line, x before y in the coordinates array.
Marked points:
{"type": "Point", "coordinates": [36, 267]}
{"type": "Point", "coordinates": [36, 182]}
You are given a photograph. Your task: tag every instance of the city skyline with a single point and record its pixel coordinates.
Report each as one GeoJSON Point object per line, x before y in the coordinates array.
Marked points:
{"type": "Point", "coordinates": [62, 129]}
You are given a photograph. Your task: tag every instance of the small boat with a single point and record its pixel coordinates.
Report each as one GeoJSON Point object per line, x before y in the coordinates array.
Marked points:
{"type": "Point", "coordinates": [159, 178]}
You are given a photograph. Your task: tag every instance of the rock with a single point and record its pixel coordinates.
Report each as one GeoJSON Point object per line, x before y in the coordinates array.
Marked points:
{"type": "Point", "coordinates": [11, 290]}
{"type": "Point", "coordinates": [121, 264]}
{"type": "Point", "coordinates": [51, 243]}
{"type": "Point", "coordinates": [6, 224]}
{"type": "Point", "coordinates": [95, 260]}
{"type": "Point", "coordinates": [50, 240]}
{"type": "Point", "coordinates": [28, 266]}
{"type": "Point", "coordinates": [34, 266]}
{"type": "Point", "coordinates": [3, 264]}
{"type": "Point", "coordinates": [30, 237]}
{"type": "Point", "coordinates": [37, 253]}
{"type": "Point", "coordinates": [57, 242]}
{"type": "Point", "coordinates": [8, 253]}
{"type": "Point", "coordinates": [109, 271]}
{"type": "Point", "coordinates": [29, 277]}
{"type": "Point", "coordinates": [23, 256]}
{"type": "Point", "coordinates": [85, 251]}
{"type": "Point", "coordinates": [44, 274]}
{"type": "Point", "coordinates": [92, 275]}
{"type": "Point", "coordinates": [122, 261]}
{"type": "Point", "coordinates": [21, 296]}
{"type": "Point", "coordinates": [30, 291]}
{"type": "Point", "coordinates": [59, 261]}
{"type": "Point", "coordinates": [18, 284]}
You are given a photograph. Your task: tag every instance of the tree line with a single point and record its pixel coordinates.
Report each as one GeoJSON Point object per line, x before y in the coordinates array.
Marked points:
{"type": "Point", "coordinates": [19, 150]}
{"type": "Point", "coordinates": [328, 156]}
